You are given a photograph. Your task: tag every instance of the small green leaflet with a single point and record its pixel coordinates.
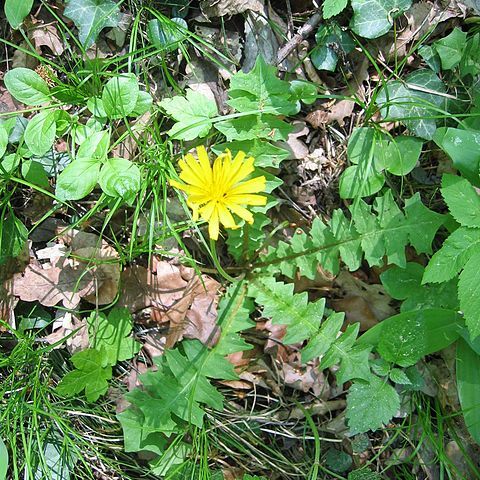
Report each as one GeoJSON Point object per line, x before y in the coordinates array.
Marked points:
{"type": "Point", "coordinates": [331, 41]}
{"type": "Point", "coordinates": [469, 294]}
{"type": "Point", "coordinates": [120, 178]}
{"type": "Point", "coordinates": [374, 18]}
{"type": "Point", "coordinates": [371, 405]}
{"type": "Point", "coordinates": [333, 7]}
{"type": "Point", "coordinates": [462, 200]}
{"type": "Point", "coordinates": [192, 113]}
{"type": "Point", "coordinates": [77, 180]}
{"type": "Point", "coordinates": [91, 17]}
{"type": "Point", "coordinates": [89, 375]}
{"type": "Point", "coordinates": [120, 95]}
{"type": "Point", "coordinates": [399, 376]}
{"type": "Point", "coordinates": [111, 335]}
{"type": "Point", "coordinates": [16, 11]}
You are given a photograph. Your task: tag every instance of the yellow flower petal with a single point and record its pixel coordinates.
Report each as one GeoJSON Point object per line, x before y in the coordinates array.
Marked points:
{"type": "Point", "coordinates": [247, 199]}
{"type": "Point", "coordinates": [253, 185]}
{"type": "Point", "coordinates": [241, 212]}
{"type": "Point", "coordinates": [213, 225]}
{"type": "Point", "coordinates": [204, 164]}
{"type": "Point", "coordinates": [245, 169]}
{"type": "Point", "coordinates": [226, 218]}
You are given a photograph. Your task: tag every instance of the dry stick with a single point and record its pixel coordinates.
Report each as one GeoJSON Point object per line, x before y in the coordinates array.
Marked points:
{"type": "Point", "coordinates": [302, 34]}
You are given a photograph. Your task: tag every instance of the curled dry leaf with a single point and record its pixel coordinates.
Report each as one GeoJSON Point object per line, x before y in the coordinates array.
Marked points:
{"type": "Point", "coordinates": [361, 302]}
{"type": "Point", "coordinates": [91, 271]}
{"type": "Point", "coordinates": [65, 324]}
{"type": "Point", "coordinates": [47, 36]}
{"type": "Point", "coordinates": [219, 8]}
{"type": "Point", "coordinates": [173, 294]}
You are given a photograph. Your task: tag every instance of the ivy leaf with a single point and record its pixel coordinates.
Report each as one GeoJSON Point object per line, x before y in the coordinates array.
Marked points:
{"type": "Point", "coordinates": [166, 33]}
{"type": "Point", "coordinates": [333, 7]}
{"type": "Point", "coordinates": [469, 294]}
{"type": "Point", "coordinates": [111, 335]}
{"type": "Point", "coordinates": [462, 200]}
{"type": "Point", "coordinates": [373, 18]}
{"type": "Point", "coordinates": [382, 401]}
{"type": "Point", "coordinates": [331, 40]}
{"type": "Point", "coordinates": [451, 48]}
{"type": "Point", "coordinates": [91, 17]}
{"type": "Point", "coordinates": [411, 104]}
{"type": "Point", "coordinates": [193, 114]}
{"type": "Point", "coordinates": [89, 375]}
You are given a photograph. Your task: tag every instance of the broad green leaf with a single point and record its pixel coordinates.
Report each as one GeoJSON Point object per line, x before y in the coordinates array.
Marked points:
{"type": "Point", "coordinates": [462, 146]}
{"type": "Point", "coordinates": [13, 237]}
{"type": "Point", "coordinates": [373, 18]}
{"type": "Point", "coordinates": [260, 90]}
{"type": "Point", "coordinates": [59, 461]}
{"type": "Point", "coordinates": [253, 126]}
{"type": "Point", "coordinates": [430, 57]}
{"type": "Point", "coordinates": [95, 105]}
{"type": "Point", "coordinates": [166, 33]}
{"type": "Point", "coordinates": [120, 95]}
{"type": "Point", "coordinates": [361, 145]}
{"type": "Point", "coordinates": [143, 105]}
{"type": "Point", "coordinates": [16, 11]}
{"type": "Point", "coordinates": [77, 180]}
{"type": "Point", "coordinates": [341, 348]}
{"type": "Point", "coordinates": [91, 17]}
{"type": "Point", "coordinates": [192, 113]}
{"type": "Point", "coordinates": [399, 376]}
{"type": "Point", "coordinates": [402, 154]}
{"type": "Point", "coordinates": [400, 283]}
{"type": "Point", "coordinates": [331, 40]}
{"type": "Point", "coordinates": [3, 460]}
{"type": "Point", "coordinates": [456, 250]}
{"type": "Point", "coordinates": [462, 200]}
{"type": "Point", "coordinates": [469, 294]}
{"type": "Point", "coordinates": [34, 173]}
{"type": "Point", "coordinates": [264, 153]}
{"type": "Point", "coordinates": [333, 7]}
{"type": "Point", "coordinates": [407, 337]}
{"type": "Point", "coordinates": [120, 178]}
{"type": "Point", "coordinates": [94, 147]}
{"type": "Point", "coordinates": [89, 375]}
{"type": "Point", "coordinates": [111, 335]}
{"type": "Point", "coordinates": [414, 102]}
{"type": "Point", "coordinates": [450, 48]}
{"type": "Point", "coordinates": [468, 385]}
{"type": "Point", "coordinates": [371, 405]}
{"type": "Point", "coordinates": [406, 284]}
{"type": "Point", "coordinates": [3, 140]}
{"type": "Point", "coordinates": [360, 181]}
{"type": "Point", "coordinates": [470, 62]}
{"type": "Point", "coordinates": [27, 86]}
{"type": "Point", "coordinates": [40, 132]}
{"type": "Point", "coordinates": [304, 91]}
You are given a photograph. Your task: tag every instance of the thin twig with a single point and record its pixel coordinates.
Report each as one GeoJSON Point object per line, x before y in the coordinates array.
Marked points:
{"type": "Point", "coordinates": [302, 34]}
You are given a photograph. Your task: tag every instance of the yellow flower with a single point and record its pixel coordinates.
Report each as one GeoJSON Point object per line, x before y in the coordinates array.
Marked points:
{"type": "Point", "coordinates": [214, 192]}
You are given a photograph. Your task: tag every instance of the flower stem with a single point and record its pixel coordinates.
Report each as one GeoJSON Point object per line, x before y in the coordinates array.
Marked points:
{"type": "Point", "coordinates": [221, 271]}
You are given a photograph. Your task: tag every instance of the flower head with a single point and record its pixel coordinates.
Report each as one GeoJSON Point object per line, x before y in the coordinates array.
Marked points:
{"type": "Point", "coordinates": [215, 192]}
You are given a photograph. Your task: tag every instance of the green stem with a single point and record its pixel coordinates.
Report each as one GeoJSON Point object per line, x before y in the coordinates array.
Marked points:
{"type": "Point", "coordinates": [221, 271]}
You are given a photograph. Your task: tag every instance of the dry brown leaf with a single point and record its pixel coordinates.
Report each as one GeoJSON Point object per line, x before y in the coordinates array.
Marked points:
{"type": "Point", "coordinates": [362, 302]}
{"type": "Point", "coordinates": [47, 36]}
{"type": "Point", "coordinates": [64, 324]}
{"type": "Point", "coordinates": [297, 148]}
{"type": "Point", "coordinates": [219, 8]}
